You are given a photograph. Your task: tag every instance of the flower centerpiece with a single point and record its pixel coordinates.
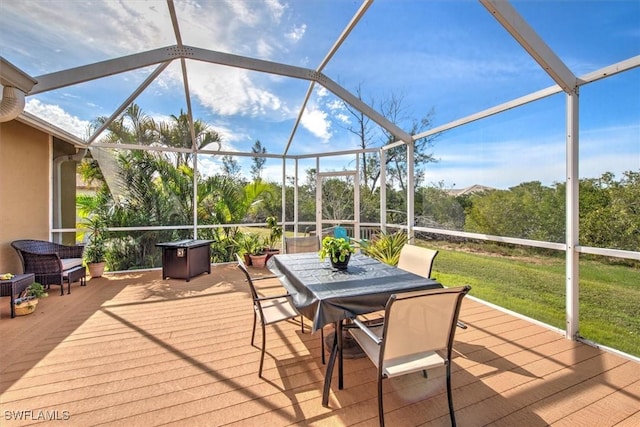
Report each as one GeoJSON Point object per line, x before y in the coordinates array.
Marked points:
{"type": "Point", "coordinates": [338, 250]}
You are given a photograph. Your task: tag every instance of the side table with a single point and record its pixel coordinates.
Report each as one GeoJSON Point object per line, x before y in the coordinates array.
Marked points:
{"type": "Point", "coordinates": [75, 274]}
{"type": "Point", "coordinates": [14, 286]}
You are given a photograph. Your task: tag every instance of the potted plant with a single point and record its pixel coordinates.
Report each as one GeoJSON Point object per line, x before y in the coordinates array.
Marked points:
{"type": "Point", "coordinates": [96, 248]}
{"type": "Point", "coordinates": [275, 234]}
{"type": "Point", "coordinates": [385, 247]}
{"type": "Point", "coordinates": [258, 255]}
{"type": "Point", "coordinates": [338, 250]}
{"type": "Point", "coordinates": [247, 245]}
{"type": "Point", "coordinates": [28, 300]}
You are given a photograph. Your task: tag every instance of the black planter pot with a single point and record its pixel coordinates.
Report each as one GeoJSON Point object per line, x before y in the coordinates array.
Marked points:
{"type": "Point", "coordinates": [341, 265]}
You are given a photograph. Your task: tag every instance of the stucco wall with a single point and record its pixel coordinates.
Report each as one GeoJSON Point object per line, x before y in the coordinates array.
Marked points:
{"type": "Point", "coordinates": [25, 161]}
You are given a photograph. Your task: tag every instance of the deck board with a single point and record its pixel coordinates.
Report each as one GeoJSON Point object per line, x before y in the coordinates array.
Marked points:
{"type": "Point", "coordinates": [135, 350]}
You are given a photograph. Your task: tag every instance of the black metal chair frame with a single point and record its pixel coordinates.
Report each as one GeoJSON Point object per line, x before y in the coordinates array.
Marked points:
{"type": "Point", "coordinates": [258, 310]}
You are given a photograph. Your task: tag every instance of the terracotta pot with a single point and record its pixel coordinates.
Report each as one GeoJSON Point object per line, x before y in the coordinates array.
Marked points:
{"type": "Point", "coordinates": [247, 259]}
{"type": "Point", "coordinates": [96, 269]}
{"type": "Point", "coordinates": [259, 261]}
{"type": "Point", "coordinates": [272, 252]}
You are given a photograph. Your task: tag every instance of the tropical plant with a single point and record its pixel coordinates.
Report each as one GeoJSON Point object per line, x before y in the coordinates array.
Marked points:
{"type": "Point", "coordinates": [35, 290]}
{"type": "Point", "coordinates": [259, 248]}
{"type": "Point", "coordinates": [275, 232]}
{"type": "Point", "coordinates": [248, 243]}
{"type": "Point", "coordinates": [96, 249]}
{"type": "Point", "coordinates": [338, 249]}
{"type": "Point", "coordinates": [156, 189]}
{"type": "Point", "coordinates": [385, 247]}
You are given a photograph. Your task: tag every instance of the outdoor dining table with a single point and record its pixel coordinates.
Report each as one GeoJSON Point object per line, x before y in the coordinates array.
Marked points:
{"type": "Point", "coordinates": [327, 295]}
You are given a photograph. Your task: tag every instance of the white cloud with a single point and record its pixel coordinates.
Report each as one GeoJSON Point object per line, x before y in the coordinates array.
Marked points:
{"type": "Point", "coordinates": [610, 149]}
{"type": "Point", "coordinates": [504, 164]}
{"type": "Point", "coordinates": [209, 166]}
{"type": "Point", "coordinates": [229, 136]}
{"type": "Point", "coordinates": [343, 118]}
{"type": "Point", "coordinates": [264, 48]}
{"type": "Point", "coordinates": [296, 33]}
{"type": "Point", "coordinates": [118, 28]}
{"type": "Point", "coordinates": [338, 111]}
{"type": "Point", "coordinates": [228, 91]}
{"type": "Point", "coordinates": [276, 9]}
{"type": "Point", "coordinates": [316, 121]}
{"type": "Point", "coordinates": [62, 119]}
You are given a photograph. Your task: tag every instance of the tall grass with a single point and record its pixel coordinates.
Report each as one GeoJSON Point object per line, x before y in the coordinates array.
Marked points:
{"type": "Point", "coordinates": [535, 286]}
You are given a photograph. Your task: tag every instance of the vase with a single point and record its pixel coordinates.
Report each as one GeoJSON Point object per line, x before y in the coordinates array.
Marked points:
{"type": "Point", "coordinates": [26, 307]}
{"type": "Point", "coordinates": [341, 265]}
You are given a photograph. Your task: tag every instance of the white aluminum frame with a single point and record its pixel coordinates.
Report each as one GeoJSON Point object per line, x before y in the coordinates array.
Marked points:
{"type": "Point", "coordinates": [501, 10]}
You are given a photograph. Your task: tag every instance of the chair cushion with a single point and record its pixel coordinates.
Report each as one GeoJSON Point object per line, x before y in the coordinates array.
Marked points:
{"type": "Point", "coordinates": [400, 365]}
{"type": "Point", "coordinates": [68, 263]}
{"type": "Point", "coordinates": [277, 310]}
{"type": "Point", "coordinates": [412, 363]}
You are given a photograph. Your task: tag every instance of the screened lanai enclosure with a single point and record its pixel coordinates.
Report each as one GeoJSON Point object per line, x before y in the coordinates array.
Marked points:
{"type": "Point", "coordinates": [495, 131]}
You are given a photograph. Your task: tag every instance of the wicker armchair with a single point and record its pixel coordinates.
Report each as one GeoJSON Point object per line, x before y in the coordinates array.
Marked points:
{"type": "Point", "coordinates": [50, 262]}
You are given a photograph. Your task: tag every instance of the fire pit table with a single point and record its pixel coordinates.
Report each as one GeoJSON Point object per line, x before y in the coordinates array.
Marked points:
{"type": "Point", "coordinates": [185, 259]}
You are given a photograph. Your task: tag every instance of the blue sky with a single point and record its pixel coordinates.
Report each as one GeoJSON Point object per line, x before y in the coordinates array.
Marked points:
{"type": "Point", "coordinates": [451, 57]}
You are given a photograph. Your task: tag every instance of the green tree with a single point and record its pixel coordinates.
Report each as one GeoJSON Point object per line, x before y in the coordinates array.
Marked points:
{"type": "Point", "coordinates": [610, 211]}
{"type": "Point", "coordinates": [528, 210]}
{"type": "Point", "coordinates": [369, 135]}
{"type": "Point", "coordinates": [230, 167]}
{"type": "Point", "coordinates": [157, 190]}
{"type": "Point", "coordinates": [337, 199]}
{"type": "Point", "coordinates": [258, 162]}
{"type": "Point", "coordinates": [436, 208]}
{"type": "Point", "coordinates": [177, 133]}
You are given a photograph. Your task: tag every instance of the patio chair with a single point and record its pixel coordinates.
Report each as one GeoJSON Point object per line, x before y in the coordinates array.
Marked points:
{"type": "Point", "coordinates": [51, 262]}
{"type": "Point", "coordinates": [296, 245]}
{"type": "Point", "coordinates": [270, 310]}
{"type": "Point", "coordinates": [417, 260]}
{"type": "Point", "coordinates": [417, 335]}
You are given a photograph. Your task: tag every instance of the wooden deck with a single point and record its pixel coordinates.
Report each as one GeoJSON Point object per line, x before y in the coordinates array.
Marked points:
{"type": "Point", "coordinates": [135, 350]}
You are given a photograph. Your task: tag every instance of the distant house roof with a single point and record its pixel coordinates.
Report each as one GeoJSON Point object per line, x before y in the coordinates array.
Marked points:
{"type": "Point", "coordinates": [476, 188]}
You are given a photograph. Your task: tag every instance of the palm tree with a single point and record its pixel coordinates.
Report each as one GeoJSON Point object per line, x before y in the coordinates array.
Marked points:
{"type": "Point", "coordinates": [177, 133]}
{"type": "Point", "coordinates": [157, 189]}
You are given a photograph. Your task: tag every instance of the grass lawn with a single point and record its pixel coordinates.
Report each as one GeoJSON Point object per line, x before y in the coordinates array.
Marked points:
{"type": "Point", "coordinates": [535, 286]}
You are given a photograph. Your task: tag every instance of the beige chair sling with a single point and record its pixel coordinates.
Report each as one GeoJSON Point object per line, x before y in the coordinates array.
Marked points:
{"type": "Point", "coordinates": [269, 309]}
{"type": "Point", "coordinates": [417, 334]}
{"type": "Point", "coordinates": [417, 260]}
{"type": "Point", "coordinates": [295, 245]}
